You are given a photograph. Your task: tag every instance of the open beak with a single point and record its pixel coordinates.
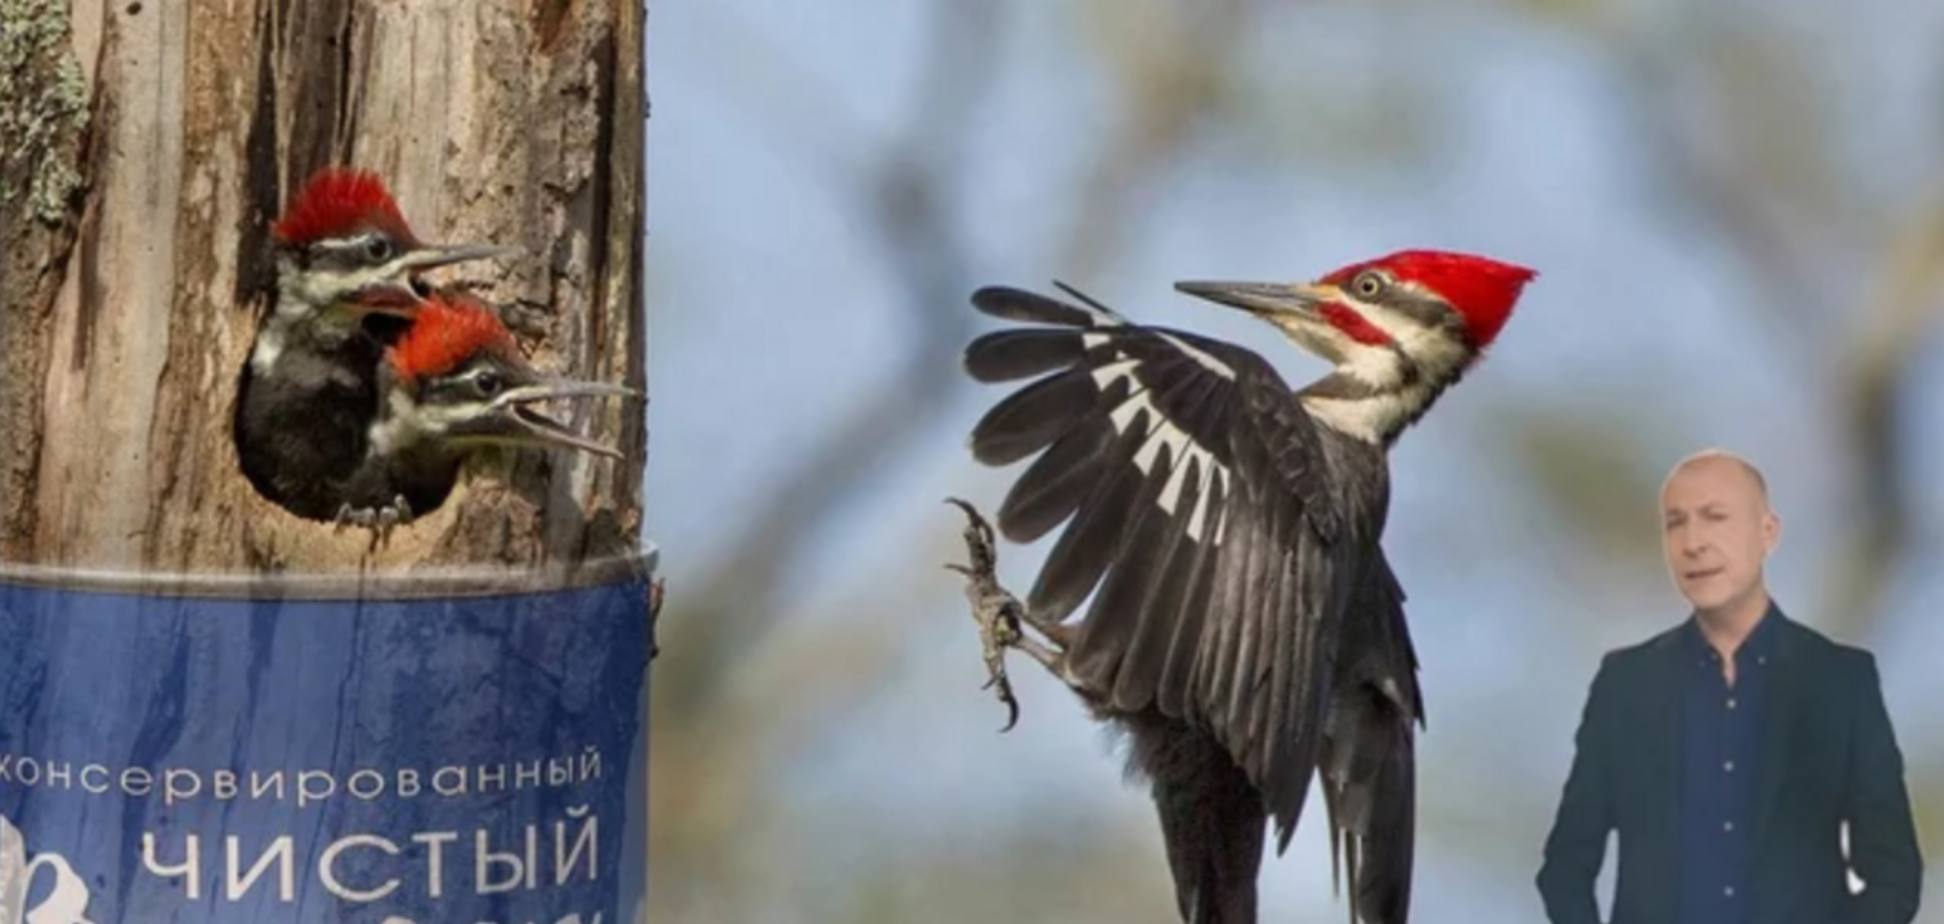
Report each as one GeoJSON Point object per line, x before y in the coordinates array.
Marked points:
{"type": "Point", "coordinates": [399, 293]}
{"type": "Point", "coordinates": [389, 299]}
{"type": "Point", "coordinates": [1266, 300]}
{"type": "Point", "coordinates": [517, 420]}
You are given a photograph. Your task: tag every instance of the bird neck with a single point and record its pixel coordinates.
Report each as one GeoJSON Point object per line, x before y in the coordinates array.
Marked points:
{"type": "Point", "coordinates": [411, 459]}
{"type": "Point", "coordinates": [296, 323]}
{"type": "Point", "coordinates": [1375, 412]}
{"type": "Point", "coordinates": [399, 431]}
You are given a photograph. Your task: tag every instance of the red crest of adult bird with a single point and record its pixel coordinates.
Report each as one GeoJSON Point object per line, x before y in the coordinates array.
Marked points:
{"type": "Point", "coordinates": [1246, 629]}
{"type": "Point", "coordinates": [348, 277]}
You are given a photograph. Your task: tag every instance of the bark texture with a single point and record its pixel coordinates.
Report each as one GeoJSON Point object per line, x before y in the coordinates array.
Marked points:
{"type": "Point", "coordinates": [145, 148]}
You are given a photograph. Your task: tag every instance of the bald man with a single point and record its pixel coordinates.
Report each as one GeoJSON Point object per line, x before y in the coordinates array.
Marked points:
{"type": "Point", "coordinates": [1730, 750]}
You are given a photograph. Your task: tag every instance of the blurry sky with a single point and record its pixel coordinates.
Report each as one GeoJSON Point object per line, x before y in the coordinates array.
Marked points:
{"type": "Point", "coordinates": [1522, 521]}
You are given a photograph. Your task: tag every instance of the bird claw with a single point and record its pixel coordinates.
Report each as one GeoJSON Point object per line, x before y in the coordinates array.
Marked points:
{"type": "Point", "coordinates": [996, 610]}
{"type": "Point", "coordinates": [381, 521]}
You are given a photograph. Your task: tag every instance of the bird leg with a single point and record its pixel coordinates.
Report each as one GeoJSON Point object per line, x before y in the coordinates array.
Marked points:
{"type": "Point", "coordinates": [379, 520]}
{"type": "Point", "coordinates": [1000, 614]}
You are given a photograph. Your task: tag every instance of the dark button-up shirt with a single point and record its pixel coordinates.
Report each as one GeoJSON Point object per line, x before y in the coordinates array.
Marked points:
{"type": "Point", "coordinates": [1720, 738]}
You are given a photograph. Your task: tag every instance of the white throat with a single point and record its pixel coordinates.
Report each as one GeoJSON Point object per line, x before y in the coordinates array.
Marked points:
{"type": "Point", "coordinates": [1376, 391]}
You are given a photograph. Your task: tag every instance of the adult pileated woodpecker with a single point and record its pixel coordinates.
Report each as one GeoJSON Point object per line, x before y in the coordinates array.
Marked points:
{"type": "Point", "coordinates": [347, 276]}
{"type": "Point", "coordinates": [1247, 628]}
{"type": "Point", "coordinates": [456, 394]}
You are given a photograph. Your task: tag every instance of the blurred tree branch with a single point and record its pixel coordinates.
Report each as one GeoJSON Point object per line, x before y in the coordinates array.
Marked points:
{"type": "Point", "coordinates": [1905, 308]}
{"type": "Point", "coordinates": [904, 198]}
{"type": "Point", "coordinates": [1710, 144]}
{"type": "Point", "coordinates": [706, 759]}
{"type": "Point", "coordinates": [1755, 161]}
{"type": "Point", "coordinates": [1172, 62]}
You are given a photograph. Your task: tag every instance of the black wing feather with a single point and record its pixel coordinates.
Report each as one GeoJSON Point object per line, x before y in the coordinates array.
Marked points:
{"type": "Point", "coordinates": [1196, 584]}
{"type": "Point", "coordinates": [1147, 582]}
{"type": "Point", "coordinates": [1231, 629]}
{"type": "Point", "coordinates": [1052, 488]}
{"type": "Point", "coordinates": [1030, 419]}
{"type": "Point", "coordinates": [1020, 305]}
{"type": "Point", "coordinates": [1092, 538]}
{"type": "Point", "coordinates": [1020, 352]}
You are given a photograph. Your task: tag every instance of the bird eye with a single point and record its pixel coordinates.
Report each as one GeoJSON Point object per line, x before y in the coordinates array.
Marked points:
{"type": "Point", "coordinates": [378, 249]}
{"type": "Point", "coordinates": [1368, 285]}
{"type": "Point", "coordinates": [488, 383]}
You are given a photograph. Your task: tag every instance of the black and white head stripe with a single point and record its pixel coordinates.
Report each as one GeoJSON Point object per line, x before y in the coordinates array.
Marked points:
{"type": "Point", "coordinates": [1199, 505]}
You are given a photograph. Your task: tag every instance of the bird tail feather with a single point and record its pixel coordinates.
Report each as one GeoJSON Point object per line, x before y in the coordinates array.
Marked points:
{"type": "Point", "coordinates": [1371, 804]}
{"type": "Point", "coordinates": [1213, 823]}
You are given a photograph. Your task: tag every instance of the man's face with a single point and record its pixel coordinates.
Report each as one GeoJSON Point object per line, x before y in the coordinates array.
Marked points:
{"type": "Point", "coordinates": [1716, 532]}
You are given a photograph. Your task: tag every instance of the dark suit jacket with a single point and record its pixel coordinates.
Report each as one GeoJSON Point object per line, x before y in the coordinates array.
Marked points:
{"type": "Point", "coordinates": [1828, 756]}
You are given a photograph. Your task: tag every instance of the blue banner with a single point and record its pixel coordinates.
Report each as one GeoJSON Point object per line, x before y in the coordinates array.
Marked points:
{"type": "Point", "coordinates": [177, 760]}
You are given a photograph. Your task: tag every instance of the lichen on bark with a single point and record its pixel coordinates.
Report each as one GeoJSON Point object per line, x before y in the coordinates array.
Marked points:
{"type": "Point", "coordinates": [45, 113]}
{"type": "Point", "coordinates": [45, 109]}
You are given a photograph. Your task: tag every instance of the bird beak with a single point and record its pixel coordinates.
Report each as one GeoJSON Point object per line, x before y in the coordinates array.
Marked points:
{"type": "Point", "coordinates": [1267, 300]}
{"type": "Point", "coordinates": [432, 256]}
{"type": "Point", "coordinates": [520, 422]}
{"type": "Point", "coordinates": [389, 299]}
{"type": "Point", "coordinates": [398, 293]}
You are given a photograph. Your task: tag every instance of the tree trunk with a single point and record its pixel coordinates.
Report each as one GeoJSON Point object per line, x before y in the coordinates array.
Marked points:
{"type": "Point", "coordinates": [145, 146]}
{"type": "Point", "coordinates": [451, 729]}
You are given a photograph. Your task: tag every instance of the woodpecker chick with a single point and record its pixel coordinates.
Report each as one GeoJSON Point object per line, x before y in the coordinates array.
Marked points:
{"type": "Point", "coordinates": [456, 394]}
{"type": "Point", "coordinates": [348, 278]}
{"type": "Point", "coordinates": [1246, 629]}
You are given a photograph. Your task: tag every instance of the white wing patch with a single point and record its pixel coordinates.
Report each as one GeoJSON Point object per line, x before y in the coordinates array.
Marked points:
{"type": "Point", "coordinates": [1208, 360]}
{"type": "Point", "coordinates": [1182, 448]}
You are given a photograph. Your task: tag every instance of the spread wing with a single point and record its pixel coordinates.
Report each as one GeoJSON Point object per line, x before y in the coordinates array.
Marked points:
{"type": "Point", "coordinates": [1369, 764]}
{"type": "Point", "coordinates": [1199, 506]}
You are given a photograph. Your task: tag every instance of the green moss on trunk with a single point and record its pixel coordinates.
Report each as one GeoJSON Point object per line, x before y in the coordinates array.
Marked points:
{"type": "Point", "coordinates": [45, 113]}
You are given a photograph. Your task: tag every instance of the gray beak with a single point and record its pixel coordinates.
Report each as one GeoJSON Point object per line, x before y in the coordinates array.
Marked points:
{"type": "Point", "coordinates": [432, 256]}
{"type": "Point", "coordinates": [1265, 299]}
{"type": "Point", "coordinates": [397, 293]}
{"type": "Point", "coordinates": [523, 423]}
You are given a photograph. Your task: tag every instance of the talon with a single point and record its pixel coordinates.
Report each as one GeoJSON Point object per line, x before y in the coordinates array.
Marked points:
{"type": "Point", "coordinates": [995, 609]}
{"type": "Point", "coordinates": [998, 633]}
{"type": "Point", "coordinates": [997, 678]}
{"type": "Point", "coordinates": [978, 526]}
{"type": "Point", "coordinates": [1012, 708]}
{"type": "Point", "coordinates": [345, 517]}
{"type": "Point", "coordinates": [380, 521]}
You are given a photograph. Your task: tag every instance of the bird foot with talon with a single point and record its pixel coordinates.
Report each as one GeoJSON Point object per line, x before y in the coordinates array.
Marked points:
{"type": "Point", "coordinates": [381, 521]}
{"type": "Point", "coordinates": [1000, 614]}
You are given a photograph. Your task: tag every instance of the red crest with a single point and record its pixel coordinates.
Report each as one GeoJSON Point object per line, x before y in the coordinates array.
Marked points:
{"type": "Point", "coordinates": [1481, 289]}
{"type": "Point", "coordinates": [451, 327]}
{"type": "Point", "coordinates": [339, 201]}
